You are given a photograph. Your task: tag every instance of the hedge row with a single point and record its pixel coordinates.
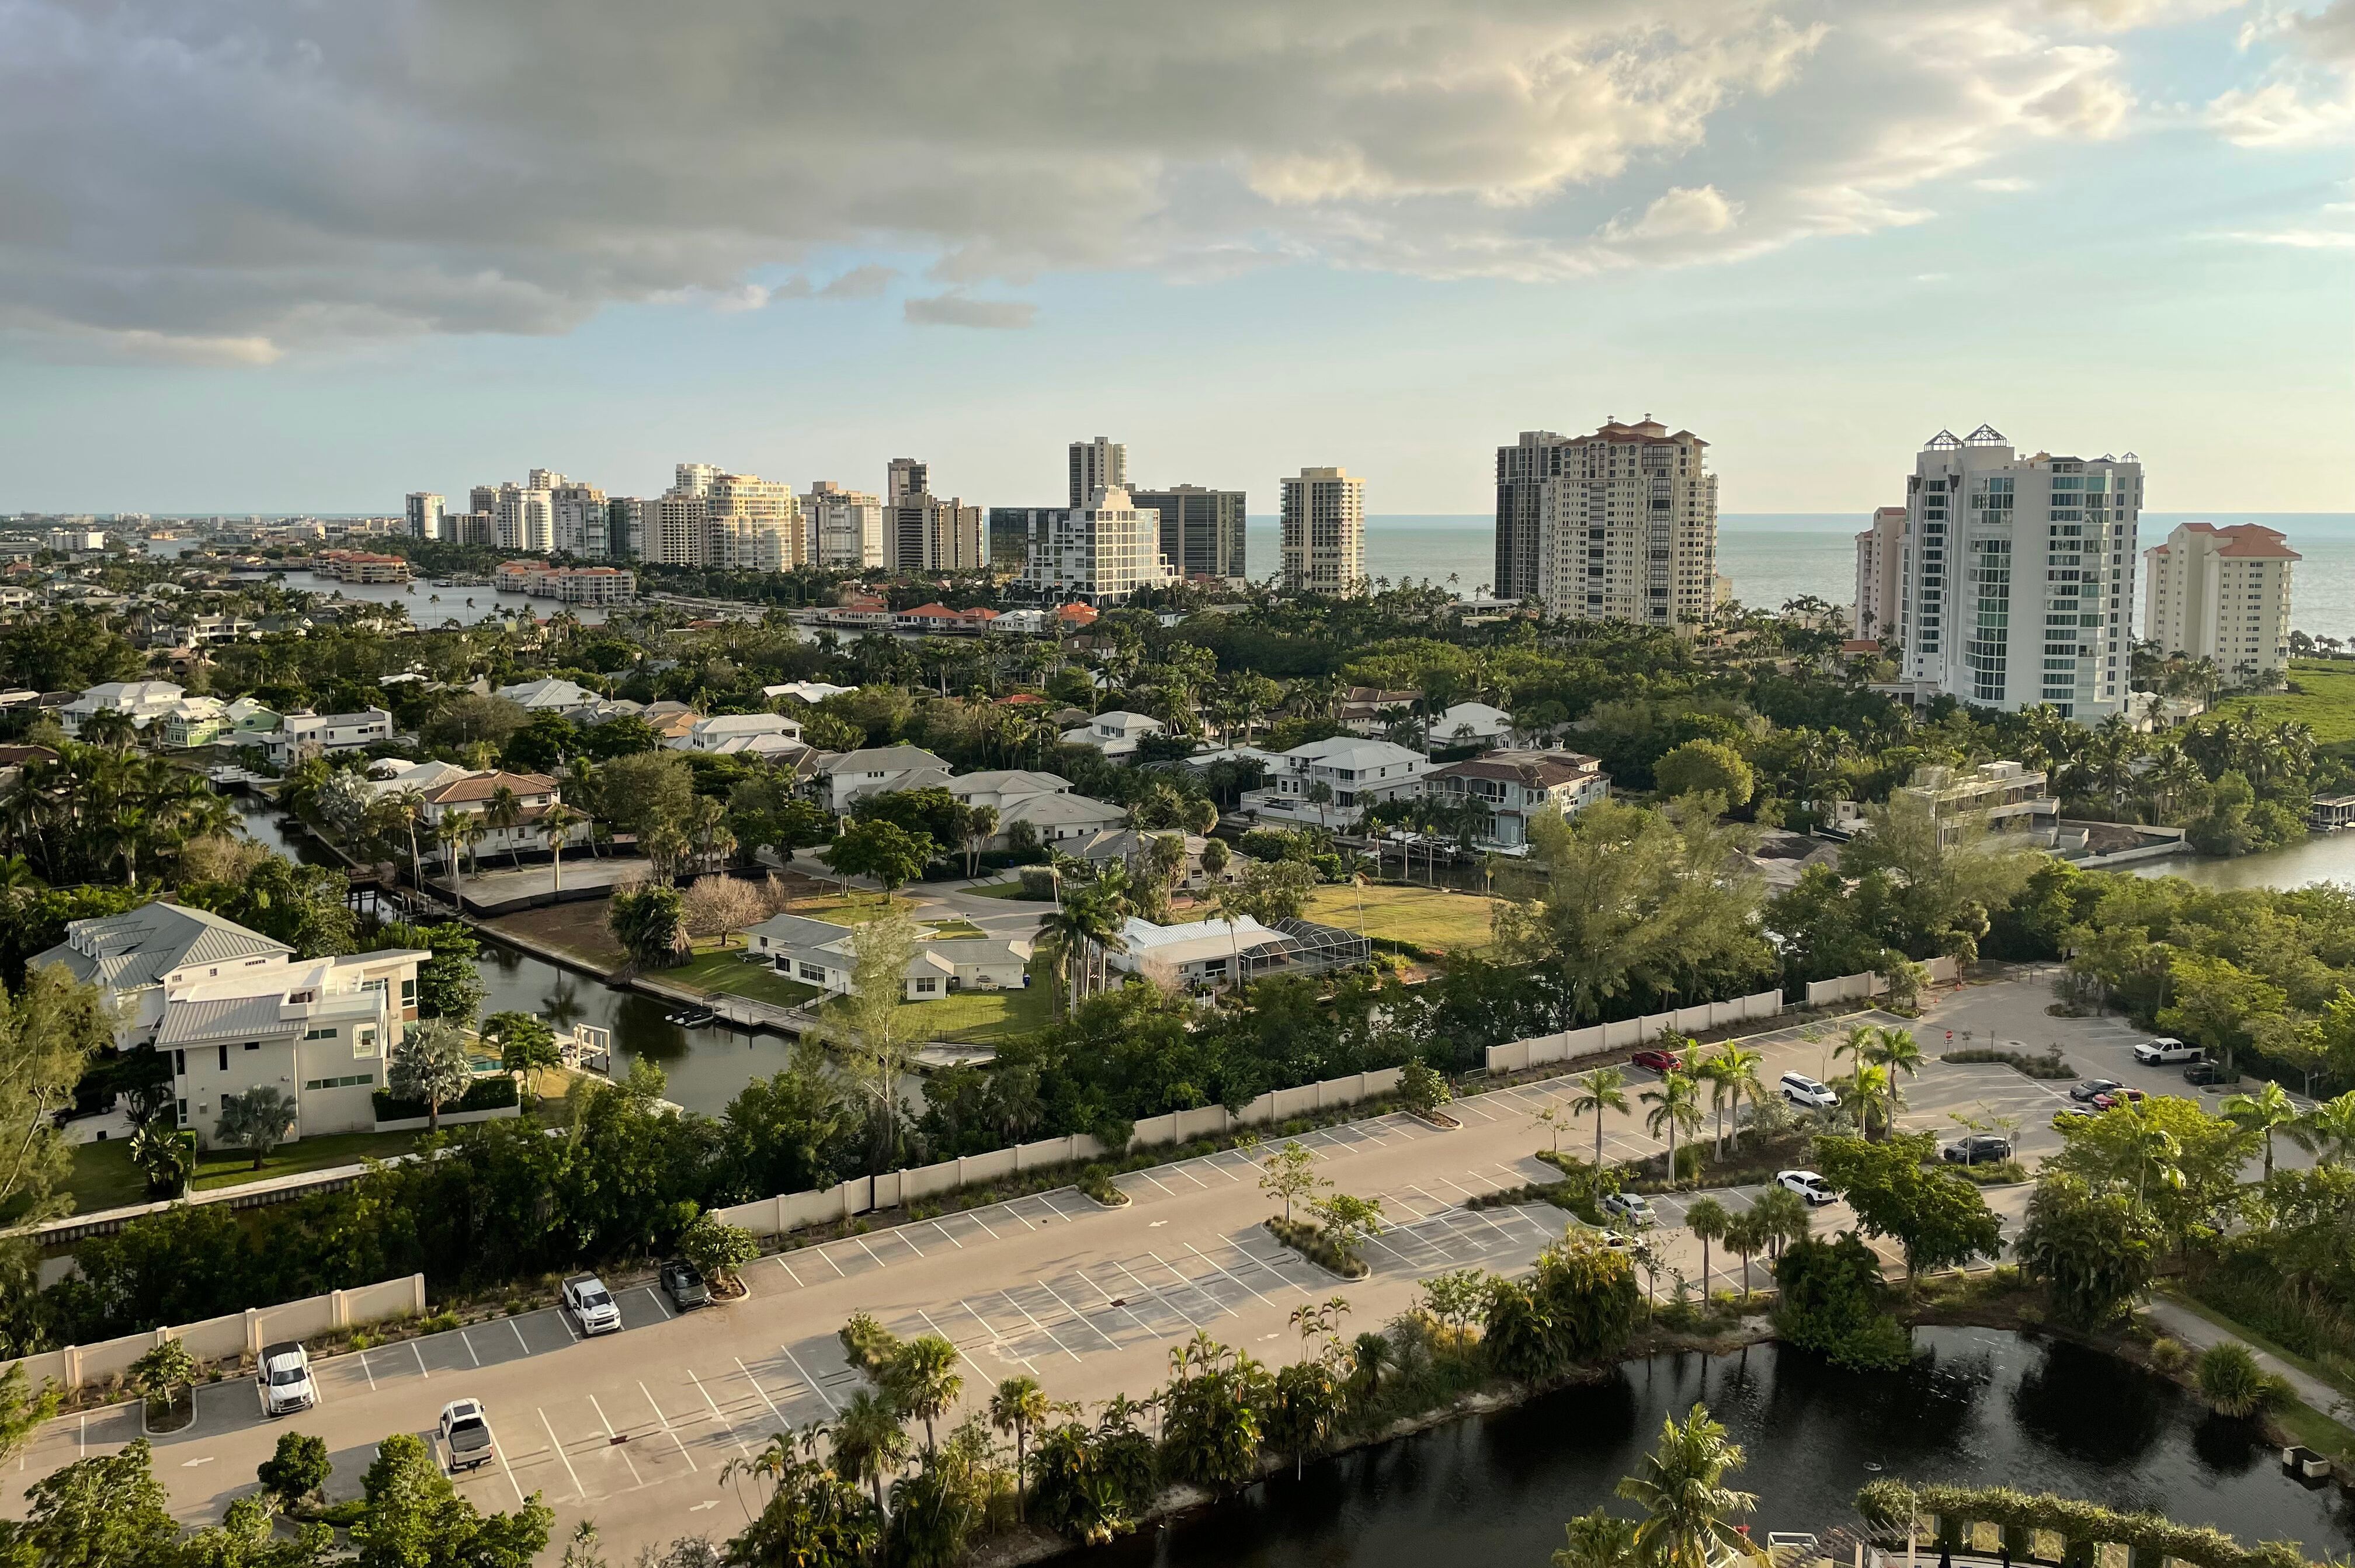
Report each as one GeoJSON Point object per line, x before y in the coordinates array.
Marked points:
{"type": "Point", "coordinates": [492, 1093]}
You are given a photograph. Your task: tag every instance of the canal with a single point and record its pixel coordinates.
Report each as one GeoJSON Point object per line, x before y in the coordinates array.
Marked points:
{"type": "Point", "coordinates": [1977, 1407]}
{"type": "Point", "coordinates": [2324, 858]}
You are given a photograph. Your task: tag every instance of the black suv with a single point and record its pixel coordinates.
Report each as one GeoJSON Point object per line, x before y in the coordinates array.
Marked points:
{"type": "Point", "coordinates": [684, 1285]}
{"type": "Point", "coordinates": [1979, 1148]}
{"type": "Point", "coordinates": [2204, 1073]}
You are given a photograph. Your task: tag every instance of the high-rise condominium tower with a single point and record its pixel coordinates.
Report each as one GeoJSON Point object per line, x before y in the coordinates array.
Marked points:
{"type": "Point", "coordinates": [845, 528]}
{"type": "Point", "coordinates": [753, 523]}
{"type": "Point", "coordinates": [582, 526]}
{"type": "Point", "coordinates": [425, 515]}
{"type": "Point", "coordinates": [2221, 594]}
{"type": "Point", "coordinates": [1201, 529]}
{"type": "Point", "coordinates": [1880, 562]}
{"type": "Point", "coordinates": [1324, 532]}
{"type": "Point", "coordinates": [1098, 465]}
{"type": "Point", "coordinates": [1617, 526]}
{"type": "Point", "coordinates": [1101, 553]}
{"type": "Point", "coordinates": [2019, 575]}
{"type": "Point", "coordinates": [527, 517]}
{"type": "Point", "coordinates": [906, 476]}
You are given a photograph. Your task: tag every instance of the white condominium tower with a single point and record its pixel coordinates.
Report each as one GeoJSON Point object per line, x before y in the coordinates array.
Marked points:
{"type": "Point", "coordinates": [1101, 553]}
{"type": "Point", "coordinates": [1617, 526]}
{"type": "Point", "coordinates": [2221, 594]}
{"type": "Point", "coordinates": [845, 527]}
{"type": "Point", "coordinates": [737, 521]}
{"type": "Point", "coordinates": [583, 525]}
{"type": "Point", "coordinates": [1879, 560]}
{"type": "Point", "coordinates": [526, 518]}
{"type": "Point", "coordinates": [1098, 465]}
{"type": "Point", "coordinates": [425, 515]}
{"type": "Point", "coordinates": [1324, 532]}
{"type": "Point", "coordinates": [2019, 576]}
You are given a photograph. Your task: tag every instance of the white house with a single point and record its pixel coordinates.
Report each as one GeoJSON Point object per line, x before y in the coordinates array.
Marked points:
{"type": "Point", "coordinates": [760, 734]}
{"type": "Point", "coordinates": [1469, 724]}
{"type": "Point", "coordinates": [550, 696]}
{"type": "Point", "coordinates": [810, 691]}
{"type": "Point", "coordinates": [318, 1029]}
{"type": "Point", "coordinates": [1001, 787]}
{"type": "Point", "coordinates": [300, 735]}
{"type": "Point", "coordinates": [469, 795]}
{"type": "Point", "coordinates": [1358, 773]}
{"type": "Point", "coordinates": [1057, 819]}
{"type": "Point", "coordinates": [1200, 952]}
{"type": "Point", "coordinates": [1515, 787]}
{"type": "Point", "coordinates": [1115, 734]}
{"type": "Point", "coordinates": [877, 770]}
{"type": "Point", "coordinates": [818, 952]}
{"type": "Point", "coordinates": [134, 957]}
{"type": "Point", "coordinates": [140, 701]}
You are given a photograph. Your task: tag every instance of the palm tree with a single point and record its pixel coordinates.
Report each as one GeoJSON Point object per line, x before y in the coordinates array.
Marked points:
{"type": "Point", "coordinates": [1859, 1044]}
{"type": "Point", "coordinates": [980, 825]}
{"type": "Point", "coordinates": [2267, 1112]}
{"type": "Point", "coordinates": [557, 822]}
{"type": "Point", "coordinates": [1603, 1089]}
{"type": "Point", "coordinates": [1895, 1050]}
{"type": "Point", "coordinates": [1738, 1077]}
{"type": "Point", "coordinates": [404, 810]}
{"type": "Point", "coordinates": [924, 1382]}
{"type": "Point", "coordinates": [869, 1442]}
{"type": "Point", "coordinates": [2327, 1132]}
{"type": "Point", "coordinates": [505, 811]}
{"type": "Point", "coordinates": [460, 830]}
{"type": "Point", "coordinates": [1782, 1216]}
{"type": "Point", "coordinates": [1675, 1106]}
{"type": "Point", "coordinates": [1861, 1093]}
{"type": "Point", "coordinates": [1707, 1219]}
{"type": "Point", "coordinates": [1745, 1235]}
{"type": "Point", "coordinates": [1689, 1509]}
{"type": "Point", "coordinates": [1018, 1405]}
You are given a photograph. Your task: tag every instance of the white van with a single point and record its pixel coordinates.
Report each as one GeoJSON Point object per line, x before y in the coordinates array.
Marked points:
{"type": "Point", "coordinates": [1804, 1092]}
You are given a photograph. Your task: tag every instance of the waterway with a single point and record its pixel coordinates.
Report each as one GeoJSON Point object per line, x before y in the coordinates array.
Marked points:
{"type": "Point", "coordinates": [467, 606]}
{"type": "Point", "coordinates": [2324, 858]}
{"type": "Point", "coordinates": [1977, 1407]}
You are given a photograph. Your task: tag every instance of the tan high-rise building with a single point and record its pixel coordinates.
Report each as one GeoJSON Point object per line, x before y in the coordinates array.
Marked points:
{"type": "Point", "coordinates": [1880, 574]}
{"type": "Point", "coordinates": [1098, 465]}
{"type": "Point", "coordinates": [754, 524]}
{"type": "Point", "coordinates": [582, 520]}
{"type": "Point", "coordinates": [845, 528]}
{"type": "Point", "coordinates": [2221, 594]}
{"type": "Point", "coordinates": [1625, 521]}
{"type": "Point", "coordinates": [1324, 532]}
{"type": "Point", "coordinates": [924, 532]}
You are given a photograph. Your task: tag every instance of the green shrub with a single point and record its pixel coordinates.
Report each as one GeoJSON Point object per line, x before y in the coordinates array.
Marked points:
{"type": "Point", "coordinates": [1039, 884]}
{"type": "Point", "coordinates": [494, 1094]}
{"type": "Point", "coordinates": [1831, 1304]}
{"type": "Point", "coordinates": [2170, 1356]}
{"type": "Point", "coordinates": [1310, 1242]}
{"type": "Point", "coordinates": [2231, 1380]}
{"type": "Point", "coordinates": [1097, 1183]}
{"type": "Point", "coordinates": [2050, 1064]}
{"type": "Point", "coordinates": [867, 1344]}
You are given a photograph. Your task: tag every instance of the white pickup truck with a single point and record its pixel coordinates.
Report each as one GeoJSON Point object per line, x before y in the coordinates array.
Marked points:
{"type": "Point", "coordinates": [465, 1432]}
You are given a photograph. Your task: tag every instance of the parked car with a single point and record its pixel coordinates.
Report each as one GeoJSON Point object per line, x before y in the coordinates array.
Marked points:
{"type": "Point", "coordinates": [2203, 1072]}
{"type": "Point", "coordinates": [2166, 1048]}
{"type": "Point", "coordinates": [466, 1436]}
{"type": "Point", "coordinates": [1808, 1185]}
{"type": "Point", "coordinates": [1658, 1061]}
{"type": "Point", "coordinates": [1631, 1207]}
{"type": "Point", "coordinates": [684, 1287]}
{"type": "Point", "coordinates": [2093, 1089]}
{"type": "Point", "coordinates": [1617, 1241]}
{"type": "Point", "coordinates": [2067, 1112]}
{"type": "Point", "coordinates": [1977, 1148]}
{"type": "Point", "coordinates": [2117, 1096]}
{"type": "Point", "coordinates": [284, 1379]}
{"type": "Point", "coordinates": [591, 1305]}
{"type": "Point", "coordinates": [1806, 1092]}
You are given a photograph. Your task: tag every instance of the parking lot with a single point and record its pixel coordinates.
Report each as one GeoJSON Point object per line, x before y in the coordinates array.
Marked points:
{"type": "Point", "coordinates": [634, 1429]}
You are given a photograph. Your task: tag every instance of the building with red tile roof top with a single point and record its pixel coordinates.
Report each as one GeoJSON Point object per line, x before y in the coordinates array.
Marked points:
{"type": "Point", "coordinates": [2221, 593]}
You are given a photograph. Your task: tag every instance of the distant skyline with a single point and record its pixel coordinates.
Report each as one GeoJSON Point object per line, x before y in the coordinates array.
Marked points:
{"type": "Point", "coordinates": [288, 258]}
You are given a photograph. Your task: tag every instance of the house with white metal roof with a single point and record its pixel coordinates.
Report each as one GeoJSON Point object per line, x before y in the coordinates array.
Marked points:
{"type": "Point", "coordinates": [819, 952]}
{"type": "Point", "coordinates": [1358, 772]}
{"type": "Point", "coordinates": [134, 956]}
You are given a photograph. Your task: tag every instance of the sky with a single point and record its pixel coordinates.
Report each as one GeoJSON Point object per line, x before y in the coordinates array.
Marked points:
{"type": "Point", "coordinates": [274, 255]}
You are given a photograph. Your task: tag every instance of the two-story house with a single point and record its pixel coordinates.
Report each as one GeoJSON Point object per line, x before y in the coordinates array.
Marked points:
{"type": "Point", "coordinates": [301, 735]}
{"type": "Point", "coordinates": [1516, 788]}
{"type": "Point", "coordinates": [134, 957]}
{"type": "Point", "coordinates": [140, 701]}
{"type": "Point", "coordinates": [727, 734]}
{"type": "Point", "coordinates": [471, 794]}
{"type": "Point", "coordinates": [1356, 773]}
{"type": "Point", "coordinates": [877, 769]}
{"type": "Point", "coordinates": [317, 1029]}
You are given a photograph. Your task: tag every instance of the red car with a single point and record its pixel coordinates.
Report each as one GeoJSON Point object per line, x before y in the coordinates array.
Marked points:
{"type": "Point", "coordinates": [1658, 1061]}
{"type": "Point", "coordinates": [2118, 1096]}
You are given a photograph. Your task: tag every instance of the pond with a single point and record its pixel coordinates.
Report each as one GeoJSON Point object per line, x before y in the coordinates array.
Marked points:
{"type": "Point", "coordinates": [1976, 1407]}
{"type": "Point", "coordinates": [2324, 858]}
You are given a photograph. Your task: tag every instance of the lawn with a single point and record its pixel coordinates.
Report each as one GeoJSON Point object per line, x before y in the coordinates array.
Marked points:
{"type": "Point", "coordinates": [724, 970]}
{"type": "Point", "coordinates": [857, 909]}
{"type": "Point", "coordinates": [2324, 702]}
{"type": "Point", "coordinates": [985, 1017]}
{"type": "Point", "coordinates": [105, 1177]}
{"type": "Point", "coordinates": [1433, 919]}
{"type": "Point", "coordinates": [954, 929]}
{"type": "Point", "coordinates": [578, 928]}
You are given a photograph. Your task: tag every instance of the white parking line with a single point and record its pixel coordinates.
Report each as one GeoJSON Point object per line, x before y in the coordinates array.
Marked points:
{"type": "Point", "coordinates": [470, 1347]}
{"type": "Point", "coordinates": [523, 1343]}
{"type": "Point", "coordinates": [666, 1312]}
{"type": "Point", "coordinates": [499, 1452]}
{"type": "Point", "coordinates": [957, 1348]}
{"type": "Point", "coordinates": [1214, 1263]}
{"type": "Point", "coordinates": [421, 1359]}
{"type": "Point", "coordinates": [580, 1492]}
{"type": "Point", "coordinates": [371, 1371]}
{"type": "Point", "coordinates": [1156, 1296]}
{"type": "Point", "coordinates": [951, 1240]}
{"type": "Point", "coordinates": [1149, 1177]}
{"type": "Point", "coordinates": [983, 1224]}
{"type": "Point", "coordinates": [725, 1424]}
{"type": "Point", "coordinates": [789, 1271]}
{"type": "Point", "coordinates": [1188, 1176]}
{"type": "Point", "coordinates": [667, 1428]}
{"type": "Point", "coordinates": [1009, 1209]}
{"type": "Point", "coordinates": [1258, 1262]}
{"type": "Point", "coordinates": [614, 1441]}
{"type": "Point", "coordinates": [1216, 1164]}
{"type": "Point", "coordinates": [1038, 1326]}
{"type": "Point", "coordinates": [901, 1235]}
{"type": "Point", "coordinates": [762, 1391]}
{"type": "Point", "coordinates": [1193, 1284]}
{"type": "Point", "coordinates": [1067, 1306]}
{"type": "Point", "coordinates": [1111, 1300]}
{"type": "Point", "coordinates": [796, 1360]}
{"type": "Point", "coordinates": [864, 1248]}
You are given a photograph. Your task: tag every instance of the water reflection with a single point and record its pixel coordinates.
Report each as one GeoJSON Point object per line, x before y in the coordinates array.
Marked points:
{"type": "Point", "coordinates": [1496, 1489]}
{"type": "Point", "coordinates": [2325, 857]}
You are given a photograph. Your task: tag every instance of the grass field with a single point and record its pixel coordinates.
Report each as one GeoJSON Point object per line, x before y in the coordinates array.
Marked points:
{"type": "Point", "coordinates": [858, 909]}
{"type": "Point", "coordinates": [105, 1177]}
{"type": "Point", "coordinates": [1430, 917]}
{"type": "Point", "coordinates": [985, 1017]}
{"type": "Point", "coordinates": [2325, 703]}
{"type": "Point", "coordinates": [1012, 890]}
{"type": "Point", "coordinates": [725, 971]}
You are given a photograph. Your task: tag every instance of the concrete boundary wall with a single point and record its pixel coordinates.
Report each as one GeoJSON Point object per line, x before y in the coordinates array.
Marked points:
{"type": "Point", "coordinates": [790, 1212]}
{"type": "Point", "coordinates": [1943, 971]}
{"type": "Point", "coordinates": [1625, 1034]}
{"type": "Point", "coordinates": [226, 1338]}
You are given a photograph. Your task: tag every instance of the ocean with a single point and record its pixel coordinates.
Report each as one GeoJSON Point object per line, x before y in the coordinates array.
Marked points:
{"type": "Point", "coordinates": [1776, 557]}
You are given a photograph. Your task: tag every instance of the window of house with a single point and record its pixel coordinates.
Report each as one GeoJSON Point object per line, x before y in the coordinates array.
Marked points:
{"type": "Point", "coordinates": [327, 1033]}
{"type": "Point", "coordinates": [363, 1042]}
{"type": "Point", "coordinates": [928, 984]}
{"type": "Point", "coordinates": [224, 1059]}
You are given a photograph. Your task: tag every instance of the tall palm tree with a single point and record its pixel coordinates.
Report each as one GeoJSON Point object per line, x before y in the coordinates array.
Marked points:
{"type": "Point", "coordinates": [1018, 1407]}
{"type": "Point", "coordinates": [460, 830]}
{"type": "Point", "coordinates": [1894, 1052]}
{"type": "Point", "coordinates": [706, 820]}
{"type": "Point", "coordinates": [2327, 1132]}
{"type": "Point", "coordinates": [1688, 1509]}
{"type": "Point", "coordinates": [1737, 1068]}
{"type": "Point", "coordinates": [924, 1382]}
{"type": "Point", "coordinates": [1862, 1094]}
{"type": "Point", "coordinates": [980, 825]}
{"type": "Point", "coordinates": [557, 823]}
{"type": "Point", "coordinates": [1603, 1089]}
{"type": "Point", "coordinates": [505, 811]}
{"type": "Point", "coordinates": [1675, 1107]}
{"type": "Point", "coordinates": [1707, 1219]}
{"type": "Point", "coordinates": [869, 1442]}
{"type": "Point", "coordinates": [405, 810]}
{"type": "Point", "coordinates": [2265, 1113]}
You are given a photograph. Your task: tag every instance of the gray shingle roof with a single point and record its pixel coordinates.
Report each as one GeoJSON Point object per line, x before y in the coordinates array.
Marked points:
{"type": "Point", "coordinates": [124, 952]}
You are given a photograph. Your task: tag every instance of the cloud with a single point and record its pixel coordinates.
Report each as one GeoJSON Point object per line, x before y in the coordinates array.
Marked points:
{"type": "Point", "coordinates": [2306, 95]}
{"type": "Point", "coordinates": [2003, 186]}
{"type": "Point", "coordinates": [223, 172]}
{"type": "Point", "coordinates": [957, 309]}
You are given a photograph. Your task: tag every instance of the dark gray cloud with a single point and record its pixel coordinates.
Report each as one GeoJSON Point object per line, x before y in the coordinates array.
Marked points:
{"type": "Point", "coordinates": [232, 179]}
{"type": "Point", "coordinates": [956, 309]}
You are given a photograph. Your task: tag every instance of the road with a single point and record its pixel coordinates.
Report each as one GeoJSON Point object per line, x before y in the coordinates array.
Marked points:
{"type": "Point", "coordinates": [635, 1429]}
